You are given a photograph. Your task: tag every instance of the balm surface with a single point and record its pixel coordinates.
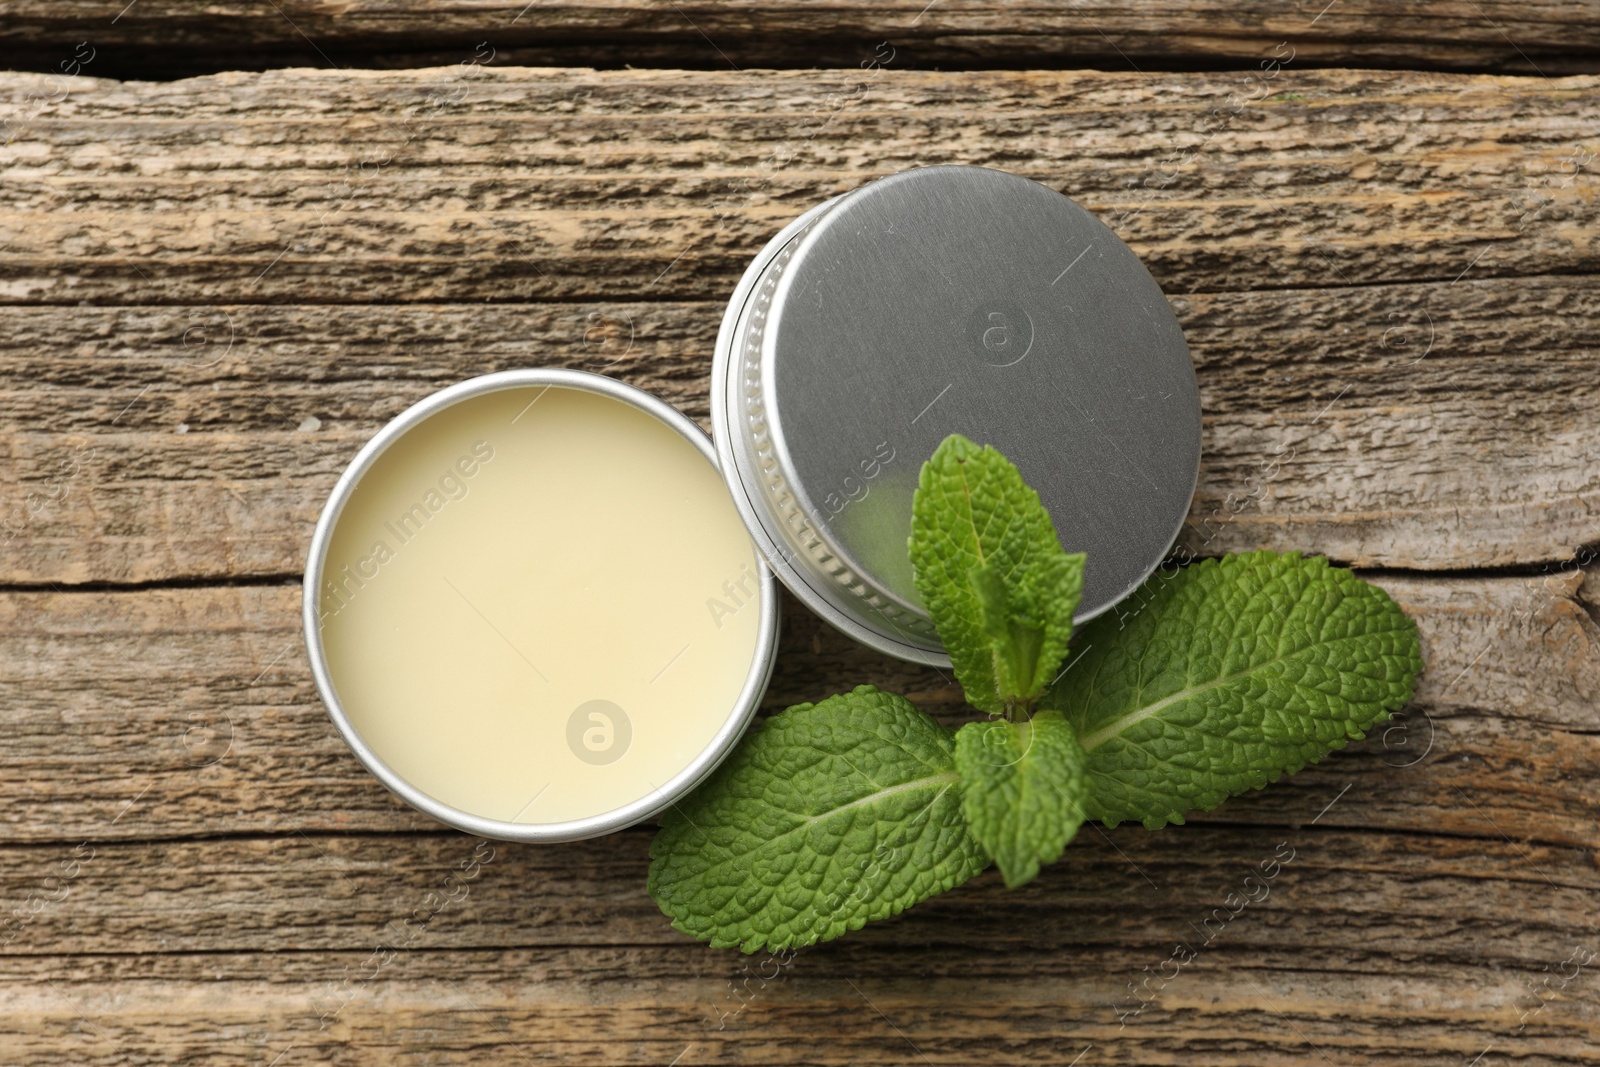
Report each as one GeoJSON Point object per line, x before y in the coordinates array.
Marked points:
{"type": "Point", "coordinates": [539, 605]}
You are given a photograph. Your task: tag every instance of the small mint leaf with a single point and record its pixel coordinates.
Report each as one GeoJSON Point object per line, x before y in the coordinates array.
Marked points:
{"type": "Point", "coordinates": [1000, 589]}
{"type": "Point", "coordinates": [826, 817]}
{"type": "Point", "coordinates": [1023, 787]}
{"type": "Point", "coordinates": [1226, 675]}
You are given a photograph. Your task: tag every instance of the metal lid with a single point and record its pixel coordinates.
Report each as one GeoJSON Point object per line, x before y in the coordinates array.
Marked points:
{"type": "Point", "coordinates": [937, 301]}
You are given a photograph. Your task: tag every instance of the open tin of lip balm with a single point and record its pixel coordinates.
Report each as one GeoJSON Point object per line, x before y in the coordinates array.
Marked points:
{"type": "Point", "coordinates": [937, 301]}
{"type": "Point", "coordinates": [532, 610]}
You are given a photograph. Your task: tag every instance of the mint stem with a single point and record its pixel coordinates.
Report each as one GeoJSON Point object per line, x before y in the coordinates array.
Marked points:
{"type": "Point", "coordinates": [1019, 711]}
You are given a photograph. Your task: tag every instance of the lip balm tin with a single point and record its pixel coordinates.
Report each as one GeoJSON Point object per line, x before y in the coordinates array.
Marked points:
{"type": "Point", "coordinates": [935, 301]}
{"type": "Point", "coordinates": [662, 793]}
{"type": "Point", "coordinates": [949, 300]}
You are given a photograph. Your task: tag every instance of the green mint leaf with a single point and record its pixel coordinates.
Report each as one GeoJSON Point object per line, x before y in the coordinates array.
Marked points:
{"type": "Point", "coordinates": [1015, 637]}
{"type": "Point", "coordinates": [1023, 788]}
{"type": "Point", "coordinates": [1000, 589]}
{"type": "Point", "coordinates": [826, 817]}
{"type": "Point", "coordinates": [1226, 675]}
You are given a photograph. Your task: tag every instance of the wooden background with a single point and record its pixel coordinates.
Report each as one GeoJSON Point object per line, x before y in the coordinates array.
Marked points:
{"type": "Point", "coordinates": [1378, 221]}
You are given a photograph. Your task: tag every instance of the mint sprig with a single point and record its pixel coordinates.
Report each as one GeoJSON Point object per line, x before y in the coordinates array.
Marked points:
{"type": "Point", "coordinates": [1230, 674]}
{"type": "Point", "coordinates": [996, 582]}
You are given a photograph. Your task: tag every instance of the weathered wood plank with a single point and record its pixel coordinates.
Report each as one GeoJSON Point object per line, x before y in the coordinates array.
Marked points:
{"type": "Point", "coordinates": [1239, 1004]}
{"type": "Point", "coordinates": [1445, 425]}
{"type": "Point", "coordinates": [171, 713]}
{"type": "Point", "coordinates": [468, 184]}
{"type": "Point", "coordinates": [171, 38]}
{"type": "Point", "coordinates": [1338, 890]}
{"type": "Point", "coordinates": [1382, 948]}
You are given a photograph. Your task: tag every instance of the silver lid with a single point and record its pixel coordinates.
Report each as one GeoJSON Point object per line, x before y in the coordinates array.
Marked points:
{"type": "Point", "coordinates": [937, 301]}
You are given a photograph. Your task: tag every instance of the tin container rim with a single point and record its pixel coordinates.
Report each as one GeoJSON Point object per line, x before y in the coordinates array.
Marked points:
{"type": "Point", "coordinates": [727, 437]}
{"type": "Point", "coordinates": [630, 814]}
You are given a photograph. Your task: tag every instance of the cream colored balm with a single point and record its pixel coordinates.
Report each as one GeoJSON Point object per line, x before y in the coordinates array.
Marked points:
{"type": "Point", "coordinates": [539, 605]}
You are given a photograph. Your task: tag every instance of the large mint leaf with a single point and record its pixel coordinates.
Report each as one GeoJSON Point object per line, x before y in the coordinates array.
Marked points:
{"type": "Point", "coordinates": [826, 817]}
{"type": "Point", "coordinates": [1223, 676]}
{"type": "Point", "coordinates": [1023, 786]}
{"type": "Point", "coordinates": [995, 580]}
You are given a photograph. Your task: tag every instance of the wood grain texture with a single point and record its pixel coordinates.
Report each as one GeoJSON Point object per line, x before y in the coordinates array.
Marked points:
{"type": "Point", "coordinates": [173, 38]}
{"type": "Point", "coordinates": [172, 713]}
{"type": "Point", "coordinates": [1434, 426]}
{"type": "Point", "coordinates": [1438, 902]}
{"type": "Point", "coordinates": [477, 184]}
{"type": "Point", "coordinates": [337, 893]}
{"type": "Point", "coordinates": [1372, 414]}
{"type": "Point", "coordinates": [641, 1006]}
{"type": "Point", "coordinates": [350, 950]}
{"type": "Point", "coordinates": [211, 292]}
